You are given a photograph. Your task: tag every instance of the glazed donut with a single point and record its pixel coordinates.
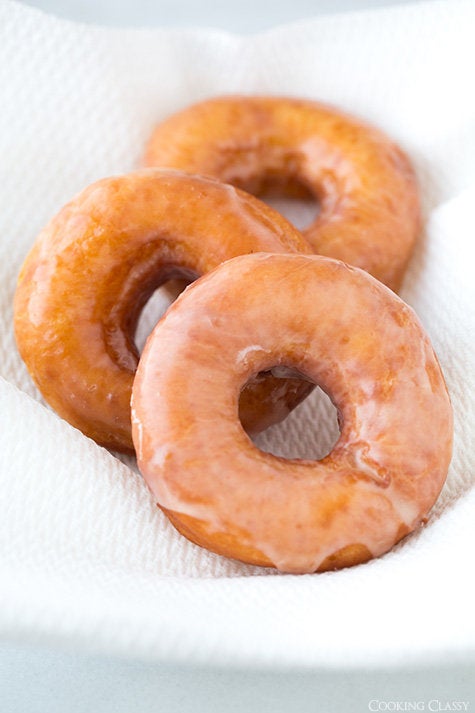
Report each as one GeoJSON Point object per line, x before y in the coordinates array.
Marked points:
{"type": "Point", "coordinates": [363, 183]}
{"type": "Point", "coordinates": [92, 269]}
{"type": "Point", "coordinates": [343, 330]}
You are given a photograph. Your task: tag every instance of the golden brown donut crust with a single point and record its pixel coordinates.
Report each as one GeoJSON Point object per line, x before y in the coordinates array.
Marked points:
{"type": "Point", "coordinates": [346, 332]}
{"type": "Point", "coordinates": [91, 270]}
{"type": "Point", "coordinates": [364, 184]}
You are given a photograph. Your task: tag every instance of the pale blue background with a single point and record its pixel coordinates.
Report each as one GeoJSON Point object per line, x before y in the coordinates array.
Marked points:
{"type": "Point", "coordinates": [34, 680]}
{"type": "Point", "coordinates": [234, 15]}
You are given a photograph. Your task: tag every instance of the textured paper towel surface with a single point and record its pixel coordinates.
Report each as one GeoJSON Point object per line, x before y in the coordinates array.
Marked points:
{"type": "Point", "coordinates": [85, 557]}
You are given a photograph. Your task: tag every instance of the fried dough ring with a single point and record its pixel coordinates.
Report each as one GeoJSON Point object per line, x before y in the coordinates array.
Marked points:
{"type": "Point", "coordinates": [346, 332]}
{"type": "Point", "coordinates": [363, 183]}
{"type": "Point", "coordinates": [94, 266]}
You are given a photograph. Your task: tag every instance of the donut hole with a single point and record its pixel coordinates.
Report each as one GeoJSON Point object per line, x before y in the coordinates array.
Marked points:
{"type": "Point", "coordinates": [292, 199]}
{"type": "Point", "coordinates": [287, 194]}
{"type": "Point", "coordinates": [309, 432]}
{"type": "Point", "coordinates": [156, 306]}
{"type": "Point", "coordinates": [301, 212]}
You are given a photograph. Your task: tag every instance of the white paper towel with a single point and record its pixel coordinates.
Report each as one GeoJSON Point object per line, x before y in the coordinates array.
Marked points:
{"type": "Point", "coordinates": [85, 556]}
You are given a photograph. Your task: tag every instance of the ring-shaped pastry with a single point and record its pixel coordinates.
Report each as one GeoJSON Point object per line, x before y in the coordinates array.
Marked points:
{"type": "Point", "coordinates": [365, 348]}
{"type": "Point", "coordinates": [363, 183]}
{"type": "Point", "coordinates": [91, 270]}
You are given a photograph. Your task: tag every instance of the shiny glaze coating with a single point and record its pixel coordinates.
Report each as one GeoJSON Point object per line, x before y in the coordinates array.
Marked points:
{"type": "Point", "coordinates": [91, 270]}
{"type": "Point", "coordinates": [364, 184]}
{"type": "Point", "coordinates": [346, 332]}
